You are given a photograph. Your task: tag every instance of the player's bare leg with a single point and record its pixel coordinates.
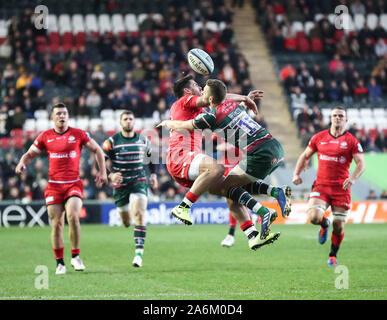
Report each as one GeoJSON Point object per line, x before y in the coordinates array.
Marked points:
{"type": "Point", "coordinates": [316, 211]}
{"type": "Point", "coordinates": [73, 207]}
{"type": "Point", "coordinates": [138, 208]}
{"type": "Point", "coordinates": [56, 215]}
{"type": "Point", "coordinates": [339, 216]}
{"type": "Point", "coordinates": [125, 218]}
{"type": "Point", "coordinates": [209, 173]}
{"type": "Point", "coordinates": [228, 188]}
{"type": "Point", "coordinates": [229, 240]}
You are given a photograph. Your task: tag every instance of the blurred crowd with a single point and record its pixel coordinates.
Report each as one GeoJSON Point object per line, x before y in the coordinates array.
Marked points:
{"type": "Point", "coordinates": [338, 80]}
{"type": "Point", "coordinates": [149, 65]}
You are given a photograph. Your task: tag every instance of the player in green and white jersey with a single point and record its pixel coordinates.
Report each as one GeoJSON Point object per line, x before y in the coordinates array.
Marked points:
{"type": "Point", "coordinates": [128, 151]}
{"type": "Point", "coordinates": [263, 152]}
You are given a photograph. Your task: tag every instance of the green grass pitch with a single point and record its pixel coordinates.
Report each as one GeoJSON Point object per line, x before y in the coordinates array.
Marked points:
{"type": "Point", "coordinates": [188, 263]}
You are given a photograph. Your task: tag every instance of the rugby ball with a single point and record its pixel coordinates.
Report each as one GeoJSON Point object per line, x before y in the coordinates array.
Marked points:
{"type": "Point", "coordinates": [200, 61]}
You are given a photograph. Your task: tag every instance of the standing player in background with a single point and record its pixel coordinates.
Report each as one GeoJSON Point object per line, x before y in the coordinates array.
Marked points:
{"type": "Point", "coordinates": [127, 151]}
{"type": "Point", "coordinates": [335, 149]}
{"type": "Point", "coordinates": [64, 192]}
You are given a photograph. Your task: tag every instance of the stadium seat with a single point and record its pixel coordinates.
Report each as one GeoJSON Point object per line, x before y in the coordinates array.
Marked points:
{"type": "Point", "coordinates": [212, 26]}
{"type": "Point", "coordinates": [117, 114]}
{"type": "Point", "coordinates": [307, 26]}
{"type": "Point", "coordinates": [29, 125]}
{"type": "Point", "coordinates": [279, 18]}
{"type": "Point", "coordinates": [365, 112]}
{"type": "Point", "coordinates": [52, 23]}
{"type": "Point", "coordinates": [131, 22]}
{"type": "Point", "coordinates": [78, 24]}
{"type": "Point", "coordinates": [316, 45]}
{"type": "Point", "coordinates": [197, 25]}
{"type": "Point", "coordinates": [41, 114]}
{"type": "Point", "coordinates": [353, 113]}
{"type": "Point", "coordinates": [139, 124]}
{"type": "Point", "coordinates": [42, 124]}
{"type": "Point", "coordinates": [303, 44]}
{"type": "Point", "coordinates": [381, 123]}
{"type": "Point", "coordinates": [332, 18]}
{"type": "Point", "coordinates": [91, 24]}
{"type": "Point", "coordinates": [82, 123]}
{"type": "Point", "coordinates": [373, 133]}
{"type": "Point", "coordinates": [64, 23]}
{"type": "Point", "coordinates": [141, 17]}
{"type": "Point", "coordinates": [379, 113]}
{"type": "Point", "coordinates": [72, 122]}
{"type": "Point", "coordinates": [298, 28]}
{"type": "Point", "coordinates": [368, 123]}
{"type": "Point", "coordinates": [149, 123]}
{"type": "Point", "coordinates": [109, 126]}
{"type": "Point", "coordinates": [94, 123]}
{"type": "Point", "coordinates": [359, 21]}
{"type": "Point", "coordinates": [104, 24]}
{"type": "Point", "coordinates": [222, 25]}
{"type": "Point", "coordinates": [349, 25]}
{"type": "Point", "coordinates": [118, 26]}
{"type": "Point", "coordinates": [372, 20]}
{"type": "Point", "coordinates": [5, 143]}
{"type": "Point", "coordinates": [383, 20]}
{"type": "Point", "coordinates": [107, 114]}
{"type": "Point", "coordinates": [318, 17]}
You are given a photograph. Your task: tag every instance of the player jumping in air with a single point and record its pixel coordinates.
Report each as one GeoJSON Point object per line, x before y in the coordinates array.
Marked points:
{"type": "Point", "coordinates": [127, 151]}
{"type": "Point", "coordinates": [335, 149]}
{"type": "Point", "coordinates": [64, 192]}
{"type": "Point", "coordinates": [228, 115]}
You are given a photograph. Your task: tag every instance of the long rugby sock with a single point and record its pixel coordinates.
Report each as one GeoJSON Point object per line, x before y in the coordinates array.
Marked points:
{"type": "Point", "coordinates": [75, 252]}
{"type": "Point", "coordinates": [336, 242]}
{"type": "Point", "coordinates": [139, 239]}
{"type": "Point", "coordinates": [249, 229]}
{"type": "Point", "coordinates": [232, 223]}
{"type": "Point", "coordinates": [189, 199]}
{"type": "Point", "coordinates": [260, 187]}
{"type": "Point", "coordinates": [58, 252]}
{"type": "Point", "coordinates": [244, 198]}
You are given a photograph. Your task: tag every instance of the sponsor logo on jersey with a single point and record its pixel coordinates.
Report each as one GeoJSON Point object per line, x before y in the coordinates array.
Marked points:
{"type": "Point", "coordinates": [58, 155]}
{"type": "Point", "coordinates": [334, 141]}
{"type": "Point", "coordinates": [342, 159]}
{"type": "Point", "coordinates": [73, 154]}
{"type": "Point", "coordinates": [49, 199]}
{"type": "Point", "coordinates": [344, 145]}
{"type": "Point", "coordinates": [328, 158]}
{"type": "Point", "coordinates": [50, 140]}
{"type": "Point", "coordinates": [71, 139]}
{"type": "Point", "coordinates": [322, 142]}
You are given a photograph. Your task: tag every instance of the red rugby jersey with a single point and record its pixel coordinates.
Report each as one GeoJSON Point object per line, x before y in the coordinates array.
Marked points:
{"type": "Point", "coordinates": [334, 156]}
{"type": "Point", "coordinates": [63, 151]}
{"type": "Point", "coordinates": [185, 109]}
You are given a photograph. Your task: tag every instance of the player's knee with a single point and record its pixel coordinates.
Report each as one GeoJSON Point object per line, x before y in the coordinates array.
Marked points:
{"type": "Point", "coordinates": [139, 217]}
{"type": "Point", "coordinates": [314, 216]}
{"type": "Point", "coordinates": [72, 218]}
{"type": "Point", "coordinates": [57, 224]}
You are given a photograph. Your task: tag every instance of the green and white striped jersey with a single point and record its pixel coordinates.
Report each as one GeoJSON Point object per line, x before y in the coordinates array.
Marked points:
{"type": "Point", "coordinates": [231, 121]}
{"type": "Point", "coordinates": [127, 156]}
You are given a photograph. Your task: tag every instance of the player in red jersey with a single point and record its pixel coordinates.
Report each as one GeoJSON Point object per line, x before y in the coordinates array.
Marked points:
{"type": "Point", "coordinates": [64, 191]}
{"type": "Point", "coordinates": [191, 168]}
{"type": "Point", "coordinates": [335, 149]}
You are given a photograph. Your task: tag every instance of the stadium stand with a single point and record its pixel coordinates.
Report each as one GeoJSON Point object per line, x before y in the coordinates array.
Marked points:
{"type": "Point", "coordinates": [100, 59]}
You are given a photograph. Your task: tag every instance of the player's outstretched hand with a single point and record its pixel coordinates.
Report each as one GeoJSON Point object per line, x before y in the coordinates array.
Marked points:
{"type": "Point", "coordinates": [20, 168]}
{"type": "Point", "coordinates": [348, 183]}
{"type": "Point", "coordinates": [101, 179]}
{"type": "Point", "coordinates": [297, 180]}
{"type": "Point", "coordinates": [162, 124]}
{"type": "Point", "coordinates": [256, 94]}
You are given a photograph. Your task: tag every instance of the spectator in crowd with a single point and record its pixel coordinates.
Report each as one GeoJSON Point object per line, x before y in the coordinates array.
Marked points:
{"type": "Point", "coordinates": [371, 195]}
{"type": "Point", "coordinates": [383, 195]}
{"type": "Point", "coordinates": [298, 99]}
{"type": "Point", "coordinates": [93, 103]}
{"type": "Point", "coordinates": [374, 91]}
{"type": "Point", "coordinates": [360, 91]}
{"type": "Point", "coordinates": [380, 48]}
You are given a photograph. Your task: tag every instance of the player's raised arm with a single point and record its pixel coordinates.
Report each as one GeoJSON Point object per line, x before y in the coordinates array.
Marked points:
{"type": "Point", "coordinates": [101, 177]}
{"type": "Point", "coordinates": [302, 162]}
{"type": "Point", "coordinates": [26, 159]}
{"type": "Point", "coordinates": [360, 167]}
{"type": "Point", "coordinates": [177, 125]}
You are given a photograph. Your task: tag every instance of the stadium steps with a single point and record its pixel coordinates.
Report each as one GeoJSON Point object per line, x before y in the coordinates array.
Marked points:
{"type": "Point", "coordinates": [273, 106]}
